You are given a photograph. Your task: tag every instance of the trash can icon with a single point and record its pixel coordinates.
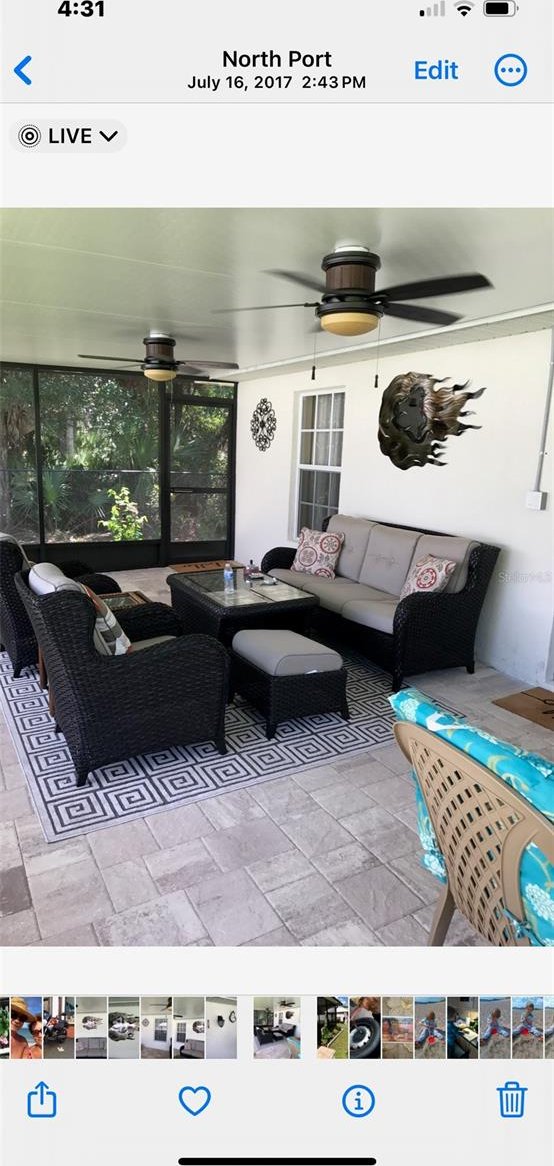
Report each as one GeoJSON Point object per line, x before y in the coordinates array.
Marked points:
{"type": "Point", "coordinates": [512, 1099]}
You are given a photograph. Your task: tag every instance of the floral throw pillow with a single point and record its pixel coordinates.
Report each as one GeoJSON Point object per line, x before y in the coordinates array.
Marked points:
{"type": "Point", "coordinates": [429, 574]}
{"type": "Point", "coordinates": [317, 552]}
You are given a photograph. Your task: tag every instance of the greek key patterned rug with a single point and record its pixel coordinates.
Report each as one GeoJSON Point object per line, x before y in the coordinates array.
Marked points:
{"type": "Point", "coordinates": [178, 775]}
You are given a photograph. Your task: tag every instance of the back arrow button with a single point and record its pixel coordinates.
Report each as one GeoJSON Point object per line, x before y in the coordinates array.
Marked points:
{"type": "Point", "coordinates": [19, 70]}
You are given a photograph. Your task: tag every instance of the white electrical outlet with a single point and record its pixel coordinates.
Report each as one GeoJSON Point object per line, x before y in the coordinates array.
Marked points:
{"type": "Point", "coordinates": [536, 499]}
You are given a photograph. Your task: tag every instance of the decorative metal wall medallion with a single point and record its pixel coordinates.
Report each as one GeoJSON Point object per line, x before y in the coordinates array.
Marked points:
{"type": "Point", "coordinates": [416, 417]}
{"type": "Point", "coordinates": [263, 424]}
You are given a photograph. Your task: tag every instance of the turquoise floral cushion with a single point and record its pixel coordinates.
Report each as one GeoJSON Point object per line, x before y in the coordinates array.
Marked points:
{"type": "Point", "coordinates": [527, 773]}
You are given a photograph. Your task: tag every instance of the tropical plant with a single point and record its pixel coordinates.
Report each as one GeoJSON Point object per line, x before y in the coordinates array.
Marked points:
{"type": "Point", "coordinates": [99, 431]}
{"type": "Point", "coordinates": [55, 492]}
{"type": "Point", "coordinates": [124, 524]}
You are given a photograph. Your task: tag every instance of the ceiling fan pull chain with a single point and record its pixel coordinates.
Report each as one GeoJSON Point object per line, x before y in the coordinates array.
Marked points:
{"type": "Point", "coordinates": [376, 381]}
{"type": "Point", "coordinates": [315, 352]}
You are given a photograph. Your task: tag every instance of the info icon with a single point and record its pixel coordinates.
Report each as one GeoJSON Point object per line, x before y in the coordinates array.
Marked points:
{"type": "Point", "coordinates": [29, 136]}
{"type": "Point", "coordinates": [358, 1101]}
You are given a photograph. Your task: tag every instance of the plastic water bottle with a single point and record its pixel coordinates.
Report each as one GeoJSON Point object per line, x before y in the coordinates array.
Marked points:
{"type": "Point", "coordinates": [228, 578]}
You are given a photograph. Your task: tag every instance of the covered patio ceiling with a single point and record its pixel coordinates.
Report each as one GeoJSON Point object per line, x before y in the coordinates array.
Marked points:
{"type": "Point", "coordinates": [98, 280]}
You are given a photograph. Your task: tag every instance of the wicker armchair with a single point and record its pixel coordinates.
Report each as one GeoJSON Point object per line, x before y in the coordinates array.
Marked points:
{"type": "Point", "coordinates": [112, 708]}
{"type": "Point", "coordinates": [16, 633]}
{"type": "Point", "coordinates": [483, 828]}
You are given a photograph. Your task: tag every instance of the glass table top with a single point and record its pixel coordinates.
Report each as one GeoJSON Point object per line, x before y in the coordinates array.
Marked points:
{"type": "Point", "coordinates": [244, 593]}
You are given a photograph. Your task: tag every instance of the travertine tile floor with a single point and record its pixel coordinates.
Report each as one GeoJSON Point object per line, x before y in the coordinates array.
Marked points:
{"type": "Point", "coordinates": [330, 857]}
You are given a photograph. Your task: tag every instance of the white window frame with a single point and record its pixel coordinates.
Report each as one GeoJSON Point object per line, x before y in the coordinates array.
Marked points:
{"type": "Point", "coordinates": [331, 391]}
{"type": "Point", "coordinates": [163, 1020]}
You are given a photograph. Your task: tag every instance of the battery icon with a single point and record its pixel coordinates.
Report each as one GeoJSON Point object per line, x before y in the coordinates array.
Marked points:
{"type": "Point", "coordinates": [500, 8]}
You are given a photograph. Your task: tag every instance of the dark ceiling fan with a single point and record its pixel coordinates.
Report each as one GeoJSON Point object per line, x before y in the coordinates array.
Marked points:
{"type": "Point", "coordinates": [159, 364]}
{"type": "Point", "coordinates": [350, 305]}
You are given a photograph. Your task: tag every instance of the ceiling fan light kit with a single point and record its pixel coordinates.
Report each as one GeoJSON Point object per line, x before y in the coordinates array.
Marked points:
{"type": "Point", "coordinates": [351, 322]}
{"type": "Point", "coordinates": [160, 374]}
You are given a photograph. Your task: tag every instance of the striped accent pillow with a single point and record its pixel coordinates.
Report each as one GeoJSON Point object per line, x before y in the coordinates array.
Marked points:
{"type": "Point", "coordinates": [109, 637]}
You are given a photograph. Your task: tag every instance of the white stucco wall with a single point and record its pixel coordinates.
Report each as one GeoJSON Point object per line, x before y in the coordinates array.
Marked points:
{"type": "Point", "coordinates": [480, 493]}
{"type": "Point", "coordinates": [221, 1043]}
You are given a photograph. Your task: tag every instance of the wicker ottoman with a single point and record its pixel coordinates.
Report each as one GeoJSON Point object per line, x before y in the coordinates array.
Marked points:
{"type": "Point", "coordinates": [286, 675]}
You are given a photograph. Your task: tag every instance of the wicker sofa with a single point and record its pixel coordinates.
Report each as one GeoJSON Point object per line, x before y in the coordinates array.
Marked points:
{"type": "Point", "coordinates": [405, 636]}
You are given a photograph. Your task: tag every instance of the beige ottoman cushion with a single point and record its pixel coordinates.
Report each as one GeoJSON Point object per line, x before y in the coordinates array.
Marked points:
{"type": "Point", "coordinates": [284, 653]}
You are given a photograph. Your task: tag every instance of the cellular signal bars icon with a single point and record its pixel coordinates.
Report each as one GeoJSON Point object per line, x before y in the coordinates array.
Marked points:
{"type": "Point", "coordinates": [434, 9]}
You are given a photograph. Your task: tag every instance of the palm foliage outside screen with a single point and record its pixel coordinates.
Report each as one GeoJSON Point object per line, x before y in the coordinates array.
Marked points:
{"type": "Point", "coordinates": [18, 479]}
{"type": "Point", "coordinates": [100, 457]}
{"type": "Point", "coordinates": [199, 445]}
{"type": "Point", "coordinates": [99, 435]}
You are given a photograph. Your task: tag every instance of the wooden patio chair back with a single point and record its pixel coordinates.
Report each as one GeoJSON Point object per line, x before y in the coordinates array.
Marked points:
{"type": "Point", "coordinates": [482, 828]}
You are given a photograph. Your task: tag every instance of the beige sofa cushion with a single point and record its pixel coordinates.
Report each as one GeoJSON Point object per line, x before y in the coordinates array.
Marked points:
{"type": "Point", "coordinates": [285, 575]}
{"type": "Point", "coordinates": [333, 594]}
{"type": "Point", "coordinates": [372, 613]}
{"type": "Point", "coordinates": [447, 546]}
{"type": "Point", "coordinates": [388, 557]}
{"type": "Point", "coordinates": [283, 653]}
{"type": "Point", "coordinates": [356, 536]}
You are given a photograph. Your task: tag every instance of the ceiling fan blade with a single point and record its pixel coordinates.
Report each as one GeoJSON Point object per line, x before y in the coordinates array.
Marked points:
{"type": "Point", "coordinates": [299, 278]}
{"type": "Point", "coordinates": [261, 308]}
{"type": "Point", "coordinates": [424, 315]}
{"type": "Point", "coordinates": [441, 286]}
{"type": "Point", "coordinates": [120, 359]}
{"type": "Point", "coordinates": [207, 363]}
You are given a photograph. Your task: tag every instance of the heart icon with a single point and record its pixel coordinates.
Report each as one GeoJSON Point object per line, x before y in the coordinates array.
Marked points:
{"type": "Point", "coordinates": [195, 1100]}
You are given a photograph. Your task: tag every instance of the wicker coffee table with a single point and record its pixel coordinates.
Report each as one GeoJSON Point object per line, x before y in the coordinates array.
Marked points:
{"type": "Point", "coordinates": [204, 606]}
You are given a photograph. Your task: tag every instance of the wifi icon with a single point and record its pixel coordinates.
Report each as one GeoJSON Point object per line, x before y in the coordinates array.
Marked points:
{"type": "Point", "coordinates": [464, 9]}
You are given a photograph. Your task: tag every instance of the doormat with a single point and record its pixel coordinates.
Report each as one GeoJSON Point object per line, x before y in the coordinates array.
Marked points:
{"type": "Point", "coordinates": [178, 775]}
{"type": "Point", "coordinates": [192, 568]}
{"type": "Point", "coordinates": [535, 704]}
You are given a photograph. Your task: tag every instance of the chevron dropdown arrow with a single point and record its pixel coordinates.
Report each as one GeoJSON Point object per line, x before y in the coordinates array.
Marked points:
{"type": "Point", "coordinates": [109, 137]}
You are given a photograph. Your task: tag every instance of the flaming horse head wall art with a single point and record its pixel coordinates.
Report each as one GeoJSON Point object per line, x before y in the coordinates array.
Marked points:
{"type": "Point", "coordinates": [416, 417]}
